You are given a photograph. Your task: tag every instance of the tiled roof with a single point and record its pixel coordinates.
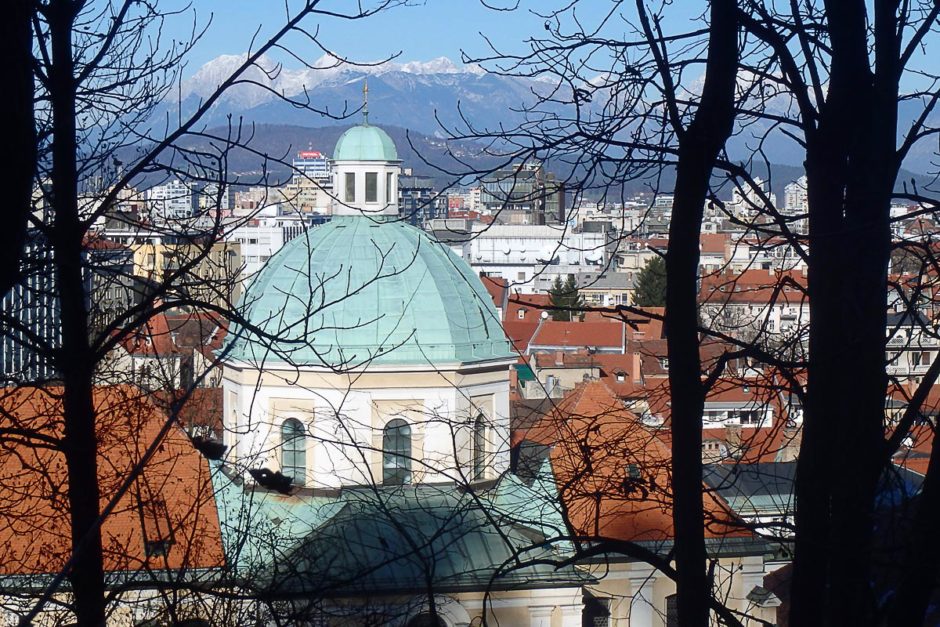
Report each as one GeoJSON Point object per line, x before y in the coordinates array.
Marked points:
{"type": "Point", "coordinates": [613, 472]}
{"type": "Point", "coordinates": [398, 539]}
{"type": "Point", "coordinates": [519, 333]}
{"type": "Point", "coordinates": [534, 304]}
{"type": "Point", "coordinates": [754, 286]}
{"type": "Point", "coordinates": [202, 407]}
{"type": "Point", "coordinates": [579, 334]}
{"type": "Point", "coordinates": [171, 501]}
{"type": "Point", "coordinates": [497, 287]}
{"type": "Point", "coordinates": [714, 243]}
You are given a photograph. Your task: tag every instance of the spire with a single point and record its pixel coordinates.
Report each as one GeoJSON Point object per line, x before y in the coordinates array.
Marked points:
{"type": "Point", "coordinates": [365, 102]}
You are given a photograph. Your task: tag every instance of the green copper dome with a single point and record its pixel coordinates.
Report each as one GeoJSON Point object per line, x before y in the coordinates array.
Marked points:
{"type": "Point", "coordinates": [359, 291]}
{"type": "Point", "coordinates": [365, 143]}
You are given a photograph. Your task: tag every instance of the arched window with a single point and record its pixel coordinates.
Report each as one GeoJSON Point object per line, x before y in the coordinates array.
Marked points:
{"type": "Point", "coordinates": [396, 453]}
{"type": "Point", "coordinates": [294, 451]}
{"type": "Point", "coordinates": [478, 447]}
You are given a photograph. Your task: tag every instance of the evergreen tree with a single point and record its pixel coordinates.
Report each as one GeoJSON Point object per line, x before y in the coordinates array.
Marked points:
{"type": "Point", "coordinates": [564, 295]}
{"type": "Point", "coordinates": [651, 284]}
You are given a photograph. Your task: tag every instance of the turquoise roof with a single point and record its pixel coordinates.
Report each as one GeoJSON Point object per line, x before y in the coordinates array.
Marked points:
{"type": "Point", "coordinates": [383, 540]}
{"type": "Point", "coordinates": [365, 143]}
{"type": "Point", "coordinates": [358, 291]}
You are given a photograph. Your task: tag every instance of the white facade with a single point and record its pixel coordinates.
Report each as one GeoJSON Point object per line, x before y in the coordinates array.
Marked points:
{"type": "Point", "coordinates": [520, 253]}
{"type": "Point", "coordinates": [171, 201]}
{"type": "Point", "coordinates": [795, 198]}
{"type": "Point", "coordinates": [261, 238]}
{"type": "Point", "coordinates": [344, 417]}
{"type": "Point", "coordinates": [775, 322]}
{"type": "Point", "coordinates": [365, 188]}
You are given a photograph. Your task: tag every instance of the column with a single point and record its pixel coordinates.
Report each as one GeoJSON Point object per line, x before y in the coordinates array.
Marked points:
{"type": "Point", "coordinates": [541, 616]}
{"type": "Point", "coordinates": [641, 602]}
{"type": "Point", "coordinates": [571, 615]}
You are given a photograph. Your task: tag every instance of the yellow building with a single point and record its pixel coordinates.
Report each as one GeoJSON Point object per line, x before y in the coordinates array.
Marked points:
{"type": "Point", "coordinates": [194, 271]}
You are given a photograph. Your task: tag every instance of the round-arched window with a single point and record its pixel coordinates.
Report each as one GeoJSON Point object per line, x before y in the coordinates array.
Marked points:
{"type": "Point", "coordinates": [396, 453]}
{"type": "Point", "coordinates": [478, 452]}
{"type": "Point", "coordinates": [294, 451]}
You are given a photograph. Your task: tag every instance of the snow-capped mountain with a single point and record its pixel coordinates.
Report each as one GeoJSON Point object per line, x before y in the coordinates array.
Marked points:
{"type": "Point", "coordinates": [413, 95]}
{"type": "Point", "coordinates": [423, 95]}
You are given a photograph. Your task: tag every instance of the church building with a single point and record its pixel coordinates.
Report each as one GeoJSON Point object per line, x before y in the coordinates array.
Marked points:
{"type": "Point", "coordinates": [370, 367]}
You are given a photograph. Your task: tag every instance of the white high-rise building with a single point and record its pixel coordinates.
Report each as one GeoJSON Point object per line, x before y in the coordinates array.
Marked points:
{"type": "Point", "coordinates": [170, 201]}
{"type": "Point", "coordinates": [794, 197]}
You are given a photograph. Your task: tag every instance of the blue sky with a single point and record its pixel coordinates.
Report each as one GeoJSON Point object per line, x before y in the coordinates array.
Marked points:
{"type": "Point", "coordinates": [424, 30]}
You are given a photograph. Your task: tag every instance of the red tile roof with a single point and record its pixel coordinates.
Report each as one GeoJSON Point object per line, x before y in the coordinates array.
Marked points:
{"type": "Point", "coordinates": [579, 334]}
{"type": "Point", "coordinates": [171, 500]}
{"type": "Point", "coordinates": [519, 333]}
{"type": "Point", "coordinates": [754, 286]}
{"type": "Point", "coordinates": [613, 472]}
{"type": "Point", "coordinates": [533, 304]}
{"type": "Point", "coordinates": [498, 289]}
{"type": "Point", "coordinates": [714, 243]}
{"type": "Point", "coordinates": [202, 407]}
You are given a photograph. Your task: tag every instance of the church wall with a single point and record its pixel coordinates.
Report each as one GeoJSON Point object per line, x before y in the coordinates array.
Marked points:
{"type": "Point", "coordinates": [345, 421]}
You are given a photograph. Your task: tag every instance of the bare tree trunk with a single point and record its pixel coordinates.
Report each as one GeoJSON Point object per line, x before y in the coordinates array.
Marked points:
{"type": "Point", "coordinates": [699, 147]}
{"type": "Point", "coordinates": [16, 48]}
{"type": "Point", "coordinates": [850, 178]}
{"type": "Point", "coordinates": [75, 361]}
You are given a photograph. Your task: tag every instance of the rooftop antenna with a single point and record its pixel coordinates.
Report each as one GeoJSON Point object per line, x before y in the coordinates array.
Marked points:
{"type": "Point", "coordinates": [365, 102]}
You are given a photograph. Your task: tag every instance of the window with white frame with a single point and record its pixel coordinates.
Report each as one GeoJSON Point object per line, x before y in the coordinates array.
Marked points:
{"type": "Point", "coordinates": [294, 451]}
{"type": "Point", "coordinates": [396, 453]}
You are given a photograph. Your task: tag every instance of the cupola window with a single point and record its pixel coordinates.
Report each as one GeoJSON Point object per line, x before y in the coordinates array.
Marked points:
{"type": "Point", "coordinates": [388, 188]}
{"type": "Point", "coordinates": [294, 451]}
{"type": "Point", "coordinates": [350, 187]}
{"type": "Point", "coordinates": [372, 187]}
{"type": "Point", "coordinates": [396, 453]}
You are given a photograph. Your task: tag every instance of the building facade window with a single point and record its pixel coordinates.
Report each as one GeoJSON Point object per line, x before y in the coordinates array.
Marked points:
{"type": "Point", "coordinates": [396, 453]}
{"type": "Point", "coordinates": [479, 447]}
{"type": "Point", "coordinates": [672, 610]}
{"type": "Point", "coordinates": [388, 188]}
{"type": "Point", "coordinates": [349, 185]}
{"type": "Point", "coordinates": [372, 187]}
{"type": "Point", "coordinates": [294, 451]}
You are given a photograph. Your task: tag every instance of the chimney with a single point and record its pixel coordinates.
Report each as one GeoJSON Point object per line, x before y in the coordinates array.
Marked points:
{"type": "Point", "coordinates": [637, 368]}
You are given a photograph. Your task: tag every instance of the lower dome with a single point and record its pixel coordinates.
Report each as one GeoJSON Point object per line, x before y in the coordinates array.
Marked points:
{"type": "Point", "coordinates": [359, 291]}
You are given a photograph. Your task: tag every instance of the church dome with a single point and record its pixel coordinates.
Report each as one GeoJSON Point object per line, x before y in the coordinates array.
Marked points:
{"type": "Point", "coordinates": [359, 291]}
{"type": "Point", "coordinates": [365, 143]}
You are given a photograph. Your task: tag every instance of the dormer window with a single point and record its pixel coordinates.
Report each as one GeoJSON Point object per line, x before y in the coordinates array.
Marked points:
{"type": "Point", "coordinates": [372, 187]}
{"type": "Point", "coordinates": [349, 185]}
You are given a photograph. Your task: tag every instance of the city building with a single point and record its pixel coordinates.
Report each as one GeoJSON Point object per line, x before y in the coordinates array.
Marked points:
{"type": "Point", "coordinates": [524, 194]}
{"type": "Point", "coordinates": [31, 324]}
{"type": "Point", "coordinates": [170, 201]}
{"type": "Point", "coordinates": [418, 201]}
{"type": "Point", "coordinates": [531, 256]}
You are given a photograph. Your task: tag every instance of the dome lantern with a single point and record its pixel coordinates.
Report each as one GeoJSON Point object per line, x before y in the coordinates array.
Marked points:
{"type": "Point", "coordinates": [365, 171]}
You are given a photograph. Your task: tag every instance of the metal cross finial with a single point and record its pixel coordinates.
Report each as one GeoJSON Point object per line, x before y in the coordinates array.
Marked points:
{"type": "Point", "coordinates": [365, 101]}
